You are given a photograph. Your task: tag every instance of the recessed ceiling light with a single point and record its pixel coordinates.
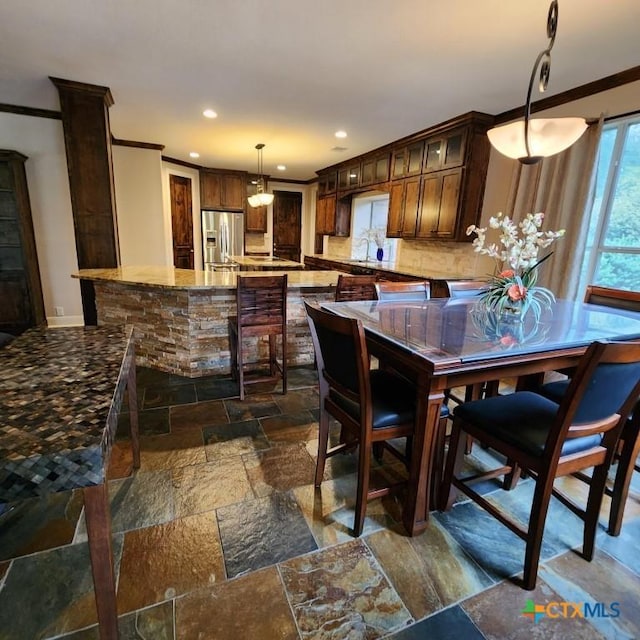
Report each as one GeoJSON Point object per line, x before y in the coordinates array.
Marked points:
{"type": "Point", "coordinates": [281, 167]}
{"type": "Point", "coordinates": [341, 134]}
{"type": "Point", "coordinates": [209, 113]}
{"type": "Point", "coordinates": [194, 154]}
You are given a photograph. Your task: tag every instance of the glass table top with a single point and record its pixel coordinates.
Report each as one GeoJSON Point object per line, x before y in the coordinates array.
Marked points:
{"type": "Point", "coordinates": [445, 329]}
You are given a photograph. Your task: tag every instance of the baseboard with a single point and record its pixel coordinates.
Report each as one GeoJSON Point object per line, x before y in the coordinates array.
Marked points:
{"type": "Point", "coordinates": [65, 321]}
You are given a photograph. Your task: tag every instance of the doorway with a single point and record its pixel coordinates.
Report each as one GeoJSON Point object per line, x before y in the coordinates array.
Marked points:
{"type": "Point", "coordinates": [287, 225]}
{"type": "Point", "coordinates": [181, 221]}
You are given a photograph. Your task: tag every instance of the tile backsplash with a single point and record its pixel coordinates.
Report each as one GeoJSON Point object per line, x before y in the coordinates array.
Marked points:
{"type": "Point", "coordinates": [456, 258]}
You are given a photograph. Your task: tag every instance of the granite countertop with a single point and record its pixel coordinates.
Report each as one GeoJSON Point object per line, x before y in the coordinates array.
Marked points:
{"type": "Point", "coordinates": [172, 278]}
{"type": "Point", "coordinates": [393, 267]}
{"type": "Point", "coordinates": [260, 262]}
{"type": "Point", "coordinates": [59, 395]}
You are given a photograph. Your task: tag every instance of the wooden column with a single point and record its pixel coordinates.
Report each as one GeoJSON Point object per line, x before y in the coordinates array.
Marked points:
{"type": "Point", "coordinates": [87, 137]}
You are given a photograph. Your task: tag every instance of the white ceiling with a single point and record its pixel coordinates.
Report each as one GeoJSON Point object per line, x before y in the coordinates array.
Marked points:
{"type": "Point", "coordinates": [290, 73]}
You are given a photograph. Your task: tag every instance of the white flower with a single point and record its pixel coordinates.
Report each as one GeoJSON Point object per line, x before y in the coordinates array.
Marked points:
{"type": "Point", "coordinates": [519, 253]}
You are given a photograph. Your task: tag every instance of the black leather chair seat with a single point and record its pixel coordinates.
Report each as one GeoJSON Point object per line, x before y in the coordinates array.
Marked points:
{"type": "Point", "coordinates": [522, 419]}
{"type": "Point", "coordinates": [394, 400]}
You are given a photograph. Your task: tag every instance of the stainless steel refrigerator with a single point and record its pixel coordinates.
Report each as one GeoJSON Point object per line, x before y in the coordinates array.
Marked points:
{"type": "Point", "coordinates": [222, 236]}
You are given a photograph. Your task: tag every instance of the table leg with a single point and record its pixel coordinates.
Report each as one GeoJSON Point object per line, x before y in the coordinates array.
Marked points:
{"type": "Point", "coordinates": [416, 508]}
{"type": "Point", "coordinates": [98, 519]}
{"type": "Point", "coordinates": [132, 391]}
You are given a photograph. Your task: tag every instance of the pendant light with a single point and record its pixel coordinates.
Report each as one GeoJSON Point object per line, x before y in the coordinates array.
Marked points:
{"type": "Point", "coordinates": [261, 198]}
{"type": "Point", "coordinates": [530, 140]}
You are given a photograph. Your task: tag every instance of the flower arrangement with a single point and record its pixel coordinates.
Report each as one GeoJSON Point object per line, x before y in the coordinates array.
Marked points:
{"type": "Point", "coordinates": [491, 328]}
{"type": "Point", "coordinates": [512, 290]}
{"type": "Point", "coordinates": [375, 234]}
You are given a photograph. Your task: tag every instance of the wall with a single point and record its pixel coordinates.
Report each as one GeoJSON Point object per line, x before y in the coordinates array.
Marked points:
{"type": "Point", "coordinates": [139, 205]}
{"type": "Point", "coordinates": [41, 139]}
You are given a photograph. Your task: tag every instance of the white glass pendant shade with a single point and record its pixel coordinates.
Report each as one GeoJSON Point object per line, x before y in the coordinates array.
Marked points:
{"type": "Point", "coordinates": [547, 136]}
{"type": "Point", "coordinates": [260, 199]}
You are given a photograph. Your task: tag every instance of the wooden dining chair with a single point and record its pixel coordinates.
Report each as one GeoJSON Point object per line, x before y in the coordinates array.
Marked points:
{"type": "Point", "coordinates": [261, 311]}
{"type": "Point", "coordinates": [351, 288]}
{"type": "Point", "coordinates": [549, 440]}
{"type": "Point", "coordinates": [372, 406]}
{"type": "Point", "coordinates": [411, 291]}
{"type": "Point", "coordinates": [464, 288]}
{"type": "Point", "coordinates": [629, 446]}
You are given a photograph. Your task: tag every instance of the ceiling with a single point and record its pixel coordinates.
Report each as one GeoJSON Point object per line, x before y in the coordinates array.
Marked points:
{"type": "Point", "coordinates": [290, 73]}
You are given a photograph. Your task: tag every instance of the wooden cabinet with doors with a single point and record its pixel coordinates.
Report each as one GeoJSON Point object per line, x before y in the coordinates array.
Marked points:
{"type": "Point", "coordinates": [326, 215]}
{"type": "Point", "coordinates": [407, 160]}
{"type": "Point", "coordinates": [445, 151]}
{"type": "Point", "coordinates": [20, 287]}
{"type": "Point", "coordinates": [223, 191]}
{"type": "Point", "coordinates": [439, 205]}
{"type": "Point", "coordinates": [255, 219]}
{"type": "Point", "coordinates": [374, 169]}
{"type": "Point", "coordinates": [333, 215]}
{"type": "Point", "coordinates": [404, 201]}
{"type": "Point", "coordinates": [327, 182]}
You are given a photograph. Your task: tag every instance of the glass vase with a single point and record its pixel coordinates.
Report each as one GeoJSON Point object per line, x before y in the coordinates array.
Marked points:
{"type": "Point", "coordinates": [380, 254]}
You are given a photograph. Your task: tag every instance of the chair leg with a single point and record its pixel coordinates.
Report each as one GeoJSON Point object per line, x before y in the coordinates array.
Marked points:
{"type": "Point", "coordinates": [284, 363]}
{"type": "Point", "coordinates": [323, 443]}
{"type": "Point", "coordinates": [455, 458]}
{"type": "Point", "coordinates": [233, 351]}
{"type": "Point", "coordinates": [273, 368]}
{"type": "Point", "coordinates": [594, 502]}
{"type": "Point", "coordinates": [240, 365]}
{"type": "Point", "coordinates": [537, 518]}
{"type": "Point", "coordinates": [626, 466]}
{"type": "Point", "coordinates": [364, 468]}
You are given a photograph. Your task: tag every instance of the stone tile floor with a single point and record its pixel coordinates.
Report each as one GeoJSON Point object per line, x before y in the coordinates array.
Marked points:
{"type": "Point", "coordinates": [220, 534]}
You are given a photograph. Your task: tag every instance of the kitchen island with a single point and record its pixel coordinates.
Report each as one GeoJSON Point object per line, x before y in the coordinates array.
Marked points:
{"type": "Point", "coordinates": [180, 315]}
{"type": "Point", "coordinates": [265, 263]}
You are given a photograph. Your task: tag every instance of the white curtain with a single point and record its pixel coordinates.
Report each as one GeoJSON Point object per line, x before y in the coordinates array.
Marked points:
{"type": "Point", "coordinates": [561, 187]}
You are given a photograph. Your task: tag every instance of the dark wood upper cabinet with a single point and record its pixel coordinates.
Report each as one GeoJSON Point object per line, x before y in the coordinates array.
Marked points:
{"type": "Point", "coordinates": [255, 218]}
{"type": "Point", "coordinates": [407, 161]}
{"type": "Point", "coordinates": [20, 287]}
{"type": "Point", "coordinates": [333, 216]}
{"type": "Point", "coordinates": [445, 152]}
{"type": "Point", "coordinates": [223, 191]}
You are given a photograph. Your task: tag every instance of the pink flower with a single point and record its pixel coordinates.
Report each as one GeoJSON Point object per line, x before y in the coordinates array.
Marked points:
{"type": "Point", "coordinates": [517, 292]}
{"type": "Point", "coordinates": [507, 273]}
{"type": "Point", "coordinates": [508, 341]}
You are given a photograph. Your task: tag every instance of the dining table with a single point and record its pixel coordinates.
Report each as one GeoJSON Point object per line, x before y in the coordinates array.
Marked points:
{"type": "Point", "coordinates": [443, 343]}
{"type": "Point", "coordinates": [61, 392]}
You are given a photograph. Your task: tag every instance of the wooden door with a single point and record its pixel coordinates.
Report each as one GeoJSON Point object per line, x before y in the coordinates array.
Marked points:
{"type": "Point", "coordinates": [287, 225]}
{"type": "Point", "coordinates": [181, 221]}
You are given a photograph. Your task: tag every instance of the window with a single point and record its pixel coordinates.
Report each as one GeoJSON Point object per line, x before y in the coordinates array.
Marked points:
{"type": "Point", "coordinates": [369, 228]}
{"type": "Point", "coordinates": [612, 257]}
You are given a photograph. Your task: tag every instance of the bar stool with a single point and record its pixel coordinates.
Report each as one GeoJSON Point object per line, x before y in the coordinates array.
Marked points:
{"type": "Point", "coordinates": [262, 311]}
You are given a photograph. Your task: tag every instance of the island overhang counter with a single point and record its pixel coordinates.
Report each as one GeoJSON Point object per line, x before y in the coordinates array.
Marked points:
{"type": "Point", "coordinates": [180, 315]}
